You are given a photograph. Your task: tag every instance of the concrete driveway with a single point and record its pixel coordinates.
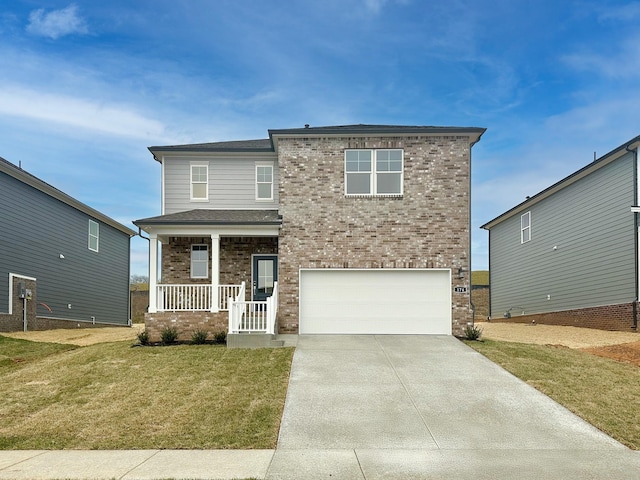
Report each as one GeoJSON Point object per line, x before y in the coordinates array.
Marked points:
{"type": "Point", "coordinates": [384, 407]}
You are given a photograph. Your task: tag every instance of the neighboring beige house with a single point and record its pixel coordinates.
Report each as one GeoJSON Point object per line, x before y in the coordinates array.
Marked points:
{"type": "Point", "coordinates": [348, 229]}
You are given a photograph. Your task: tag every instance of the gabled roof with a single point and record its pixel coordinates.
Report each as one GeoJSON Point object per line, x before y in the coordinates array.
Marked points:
{"type": "Point", "coordinates": [33, 181]}
{"type": "Point", "coordinates": [565, 182]}
{"type": "Point", "coordinates": [267, 145]}
{"type": "Point", "coordinates": [215, 217]}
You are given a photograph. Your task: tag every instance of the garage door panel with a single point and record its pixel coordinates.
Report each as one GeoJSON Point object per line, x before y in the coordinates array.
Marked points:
{"type": "Point", "coordinates": [411, 301]}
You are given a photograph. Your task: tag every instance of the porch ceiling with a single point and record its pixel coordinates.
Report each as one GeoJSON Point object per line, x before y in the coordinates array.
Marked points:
{"type": "Point", "coordinates": [201, 222]}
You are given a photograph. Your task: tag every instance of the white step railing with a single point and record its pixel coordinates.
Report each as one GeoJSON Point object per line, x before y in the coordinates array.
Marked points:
{"type": "Point", "coordinates": [253, 316]}
{"type": "Point", "coordinates": [194, 297]}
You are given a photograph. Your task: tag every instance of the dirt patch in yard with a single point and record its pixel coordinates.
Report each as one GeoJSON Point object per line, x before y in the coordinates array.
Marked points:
{"type": "Point", "coordinates": [80, 336]}
{"type": "Point", "coordinates": [626, 352]}
{"type": "Point", "coordinates": [620, 346]}
{"type": "Point", "coordinates": [572, 337]}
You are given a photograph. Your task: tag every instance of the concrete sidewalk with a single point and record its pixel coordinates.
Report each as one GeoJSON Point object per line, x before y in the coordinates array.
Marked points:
{"type": "Point", "coordinates": [380, 407]}
{"type": "Point", "coordinates": [134, 464]}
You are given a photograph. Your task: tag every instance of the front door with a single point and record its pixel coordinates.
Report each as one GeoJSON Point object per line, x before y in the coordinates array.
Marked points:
{"type": "Point", "coordinates": [265, 273]}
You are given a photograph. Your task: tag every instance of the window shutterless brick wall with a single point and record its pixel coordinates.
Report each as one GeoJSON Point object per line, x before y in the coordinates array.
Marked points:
{"type": "Point", "coordinates": [428, 227]}
{"type": "Point", "coordinates": [235, 258]}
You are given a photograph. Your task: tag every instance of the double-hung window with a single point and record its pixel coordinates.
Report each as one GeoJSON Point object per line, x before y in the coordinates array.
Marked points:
{"type": "Point", "coordinates": [264, 181]}
{"type": "Point", "coordinates": [94, 235]}
{"type": "Point", "coordinates": [374, 172]}
{"type": "Point", "coordinates": [525, 227]}
{"type": "Point", "coordinates": [199, 182]}
{"type": "Point", "coordinates": [199, 261]}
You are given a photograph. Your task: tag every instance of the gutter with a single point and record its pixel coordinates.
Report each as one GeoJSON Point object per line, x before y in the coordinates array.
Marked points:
{"type": "Point", "coordinates": [635, 233]}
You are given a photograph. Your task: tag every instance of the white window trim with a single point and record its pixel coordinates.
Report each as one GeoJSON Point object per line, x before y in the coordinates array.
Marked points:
{"type": "Point", "coordinates": [264, 164]}
{"type": "Point", "coordinates": [97, 237]}
{"type": "Point", "coordinates": [206, 261]}
{"type": "Point", "coordinates": [527, 228]}
{"type": "Point", "coordinates": [192, 183]}
{"type": "Point", "coordinates": [373, 187]}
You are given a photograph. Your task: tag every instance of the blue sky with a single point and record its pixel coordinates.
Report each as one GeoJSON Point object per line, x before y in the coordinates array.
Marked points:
{"type": "Point", "coordinates": [86, 87]}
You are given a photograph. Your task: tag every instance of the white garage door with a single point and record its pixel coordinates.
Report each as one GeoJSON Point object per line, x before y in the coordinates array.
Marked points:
{"type": "Point", "coordinates": [384, 301]}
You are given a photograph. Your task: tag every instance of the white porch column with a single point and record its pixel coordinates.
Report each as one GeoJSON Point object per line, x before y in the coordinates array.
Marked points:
{"type": "Point", "coordinates": [153, 272]}
{"type": "Point", "coordinates": [215, 271]}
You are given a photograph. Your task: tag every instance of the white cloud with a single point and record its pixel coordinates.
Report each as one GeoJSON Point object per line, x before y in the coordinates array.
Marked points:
{"type": "Point", "coordinates": [119, 120]}
{"type": "Point", "coordinates": [56, 23]}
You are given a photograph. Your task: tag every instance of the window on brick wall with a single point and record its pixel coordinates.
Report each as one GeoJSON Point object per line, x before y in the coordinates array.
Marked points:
{"type": "Point", "coordinates": [199, 261]}
{"type": "Point", "coordinates": [374, 172]}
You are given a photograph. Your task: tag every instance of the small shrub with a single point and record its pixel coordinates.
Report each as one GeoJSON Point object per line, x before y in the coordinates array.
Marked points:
{"type": "Point", "coordinates": [220, 337]}
{"type": "Point", "coordinates": [143, 337]}
{"type": "Point", "coordinates": [472, 332]}
{"type": "Point", "coordinates": [199, 337]}
{"type": "Point", "coordinates": [169, 335]}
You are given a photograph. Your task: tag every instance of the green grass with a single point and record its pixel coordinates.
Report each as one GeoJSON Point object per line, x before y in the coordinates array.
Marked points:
{"type": "Point", "coordinates": [603, 392]}
{"type": "Point", "coordinates": [16, 353]}
{"type": "Point", "coordinates": [113, 396]}
{"type": "Point", "coordinates": [480, 277]}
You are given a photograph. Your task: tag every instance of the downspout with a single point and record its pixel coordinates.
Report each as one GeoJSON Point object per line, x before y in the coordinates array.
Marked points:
{"type": "Point", "coordinates": [473, 307]}
{"type": "Point", "coordinates": [635, 235]}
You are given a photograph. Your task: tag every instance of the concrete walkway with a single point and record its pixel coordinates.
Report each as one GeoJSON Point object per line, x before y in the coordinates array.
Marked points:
{"type": "Point", "coordinates": [380, 407]}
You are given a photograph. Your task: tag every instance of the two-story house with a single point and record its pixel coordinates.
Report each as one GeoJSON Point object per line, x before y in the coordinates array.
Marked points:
{"type": "Point", "coordinates": [62, 263]}
{"type": "Point", "coordinates": [569, 254]}
{"type": "Point", "coordinates": [347, 229]}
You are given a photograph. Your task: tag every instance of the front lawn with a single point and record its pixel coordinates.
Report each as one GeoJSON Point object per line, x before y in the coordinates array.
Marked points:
{"type": "Point", "coordinates": [603, 392]}
{"type": "Point", "coordinates": [115, 396]}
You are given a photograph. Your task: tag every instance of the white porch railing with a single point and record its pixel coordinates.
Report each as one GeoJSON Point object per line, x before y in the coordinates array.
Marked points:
{"type": "Point", "coordinates": [194, 297]}
{"type": "Point", "coordinates": [253, 316]}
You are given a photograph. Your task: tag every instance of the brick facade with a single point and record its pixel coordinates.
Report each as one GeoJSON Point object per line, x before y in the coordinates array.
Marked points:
{"type": "Point", "coordinates": [235, 268]}
{"type": "Point", "coordinates": [428, 227]}
{"type": "Point", "coordinates": [235, 258]}
{"type": "Point", "coordinates": [185, 323]}
{"type": "Point", "coordinates": [609, 317]}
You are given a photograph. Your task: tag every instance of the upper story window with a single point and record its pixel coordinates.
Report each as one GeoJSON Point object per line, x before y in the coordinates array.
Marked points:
{"type": "Point", "coordinates": [94, 235]}
{"type": "Point", "coordinates": [264, 181]}
{"type": "Point", "coordinates": [199, 261]}
{"type": "Point", "coordinates": [199, 182]}
{"type": "Point", "coordinates": [374, 172]}
{"type": "Point", "coordinates": [525, 227]}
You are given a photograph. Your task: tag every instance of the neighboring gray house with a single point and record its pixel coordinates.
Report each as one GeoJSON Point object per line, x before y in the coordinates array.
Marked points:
{"type": "Point", "coordinates": [569, 255]}
{"type": "Point", "coordinates": [66, 262]}
{"type": "Point", "coordinates": [343, 229]}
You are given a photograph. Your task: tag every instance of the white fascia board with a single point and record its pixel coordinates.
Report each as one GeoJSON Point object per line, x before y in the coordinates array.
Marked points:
{"type": "Point", "coordinates": [163, 231]}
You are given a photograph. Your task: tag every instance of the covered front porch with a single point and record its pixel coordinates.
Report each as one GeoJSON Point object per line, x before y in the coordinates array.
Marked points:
{"type": "Point", "coordinates": [213, 270]}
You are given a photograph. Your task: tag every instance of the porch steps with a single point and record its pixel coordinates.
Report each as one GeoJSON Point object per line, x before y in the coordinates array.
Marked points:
{"type": "Point", "coordinates": [253, 340]}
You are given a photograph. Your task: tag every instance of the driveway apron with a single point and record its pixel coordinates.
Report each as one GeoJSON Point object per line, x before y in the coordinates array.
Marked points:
{"type": "Point", "coordinates": [422, 406]}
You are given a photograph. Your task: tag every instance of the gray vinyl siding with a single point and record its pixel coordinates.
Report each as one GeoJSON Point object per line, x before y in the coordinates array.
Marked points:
{"type": "Point", "coordinates": [232, 183]}
{"type": "Point", "coordinates": [35, 229]}
{"type": "Point", "coordinates": [591, 225]}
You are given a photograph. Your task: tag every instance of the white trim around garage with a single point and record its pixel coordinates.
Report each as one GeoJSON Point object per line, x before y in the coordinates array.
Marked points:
{"type": "Point", "coordinates": [375, 301]}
